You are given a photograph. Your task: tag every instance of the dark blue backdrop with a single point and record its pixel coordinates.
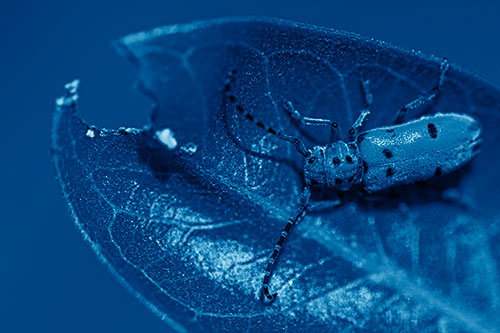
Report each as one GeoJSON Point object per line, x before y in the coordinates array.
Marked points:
{"type": "Point", "coordinates": [50, 279]}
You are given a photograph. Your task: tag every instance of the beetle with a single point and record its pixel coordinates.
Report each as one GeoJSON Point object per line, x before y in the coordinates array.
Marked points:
{"type": "Point", "coordinates": [377, 159]}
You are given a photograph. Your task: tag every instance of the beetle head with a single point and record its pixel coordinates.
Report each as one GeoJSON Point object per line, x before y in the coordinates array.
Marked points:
{"type": "Point", "coordinates": [343, 166]}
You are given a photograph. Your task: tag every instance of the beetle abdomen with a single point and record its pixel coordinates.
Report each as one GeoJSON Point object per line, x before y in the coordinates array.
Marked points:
{"type": "Point", "coordinates": [417, 150]}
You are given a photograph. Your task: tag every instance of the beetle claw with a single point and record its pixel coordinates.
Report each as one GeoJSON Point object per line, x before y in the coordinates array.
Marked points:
{"type": "Point", "coordinates": [267, 299]}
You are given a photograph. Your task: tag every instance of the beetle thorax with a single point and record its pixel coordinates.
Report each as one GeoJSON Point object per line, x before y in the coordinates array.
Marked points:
{"type": "Point", "coordinates": [336, 165]}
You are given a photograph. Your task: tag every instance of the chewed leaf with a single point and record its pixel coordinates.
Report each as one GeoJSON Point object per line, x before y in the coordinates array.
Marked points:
{"type": "Point", "coordinates": [187, 210]}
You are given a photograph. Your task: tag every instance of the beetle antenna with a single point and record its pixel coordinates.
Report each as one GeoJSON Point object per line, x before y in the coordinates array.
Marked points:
{"type": "Point", "coordinates": [296, 217]}
{"type": "Point", "coordinates": [299, 145]}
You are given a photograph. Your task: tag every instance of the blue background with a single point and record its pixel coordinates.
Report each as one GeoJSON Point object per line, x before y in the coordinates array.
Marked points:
{"type": "Point", "coordinates": [50, 281]}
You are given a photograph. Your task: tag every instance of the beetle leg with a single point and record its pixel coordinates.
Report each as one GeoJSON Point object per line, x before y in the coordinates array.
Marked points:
{"type": "Point", "coordinates": [426, 99]}
{"type": "Point", "coordinates": [368, 100]}
{"type": "Point", "coordinates": [247, 114]}
{"type": "Point", "coordinates": [308, 121]}
{"type": "Point", "coordinates": [266, 296]}
{"type": "Point", "coordinates": [324, 205]}
{"type": "Point", "coordinates": [359, 122]}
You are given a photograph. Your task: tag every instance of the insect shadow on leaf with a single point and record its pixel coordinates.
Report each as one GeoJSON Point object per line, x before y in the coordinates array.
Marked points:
{"type": "Point", "coordinates": [366, 162]}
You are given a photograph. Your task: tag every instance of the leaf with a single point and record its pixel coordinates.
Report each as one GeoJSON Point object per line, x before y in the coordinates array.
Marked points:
{"type": "Point", "coordinates": [189, 229]}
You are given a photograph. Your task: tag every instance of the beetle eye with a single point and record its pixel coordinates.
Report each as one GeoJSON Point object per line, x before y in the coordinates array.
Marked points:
{"type": "Point", "coordinates": [311, 160]}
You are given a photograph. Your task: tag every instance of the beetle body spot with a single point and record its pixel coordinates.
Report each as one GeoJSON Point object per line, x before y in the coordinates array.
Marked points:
{"type": "Point", "coordinates": [431, 128]}
{"type": "Point", "coordinates": [391, 132]}
{"type": "Point", "coordinates": [387, 153]}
